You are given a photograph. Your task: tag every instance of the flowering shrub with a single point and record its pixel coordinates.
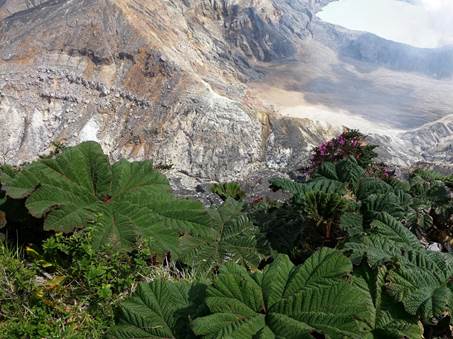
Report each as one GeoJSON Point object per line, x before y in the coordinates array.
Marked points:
{"type": "Point", "coordinates": [382, 171]}
{"type": "Point", "coordinates": [349, 143]}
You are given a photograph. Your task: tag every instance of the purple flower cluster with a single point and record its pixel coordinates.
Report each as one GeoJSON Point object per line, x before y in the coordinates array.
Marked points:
{"type": "Point", "coordinates": [349, 143]}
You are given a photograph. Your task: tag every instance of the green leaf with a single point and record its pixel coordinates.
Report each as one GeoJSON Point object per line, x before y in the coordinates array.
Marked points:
{"type": "Point", "coordinates": [322, 206]}
{"type": "Point", "coordinates": [160, 309]}
{"type": "Point", "coordinates": [231, 237]}
{"type": "Point", "coordinates": [349, 171]}
{"type": "Point", "coordinates": [123, 201]}
{"type": "Point", "coordinates": [228, 190]}
{"type": "Point", "coordinates": [319, 185]}
{"type": "Point", "coordinates": [325, 267]}
{"type": "Point", "coordinates": [352, 223]}
{"type": "Point", "coordinates": [287, 185]}
{"type": "Point", "coordinates": [389, 320]}
{"type": "Point", "coordinates": [399, 184]}
{"type": "Point", "coordinates": [370, 185]}
{"type": "Point", "coordinates": [326, 186]}
{"type": "Point", "coordinates": [422, 284]}
{"type": "Point", "coordinates": [387, 226]}
{"type": "Point", "coordinates": [286, 301]}
{"type": "Point", "coordinates": [327, 170]}
{"type": "Point", "coordinates": [389, 203]}
{"type": "Point", "coordinates": [418, 278]}
{"type": "Point", "coordinates": [439, 193]}
{"type": "Point", "coordinates": [387, 239]}
{"type": "Point", "coordinates": [419, 217]}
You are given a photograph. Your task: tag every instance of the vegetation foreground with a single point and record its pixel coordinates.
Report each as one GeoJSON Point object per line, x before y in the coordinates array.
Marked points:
{"type": "Point", "coordinates": [91, 249]}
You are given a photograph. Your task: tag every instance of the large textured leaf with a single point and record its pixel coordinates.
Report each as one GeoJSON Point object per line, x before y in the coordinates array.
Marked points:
{"type": "Point", "coordinates": [419, 216]}
{"type": "Point", "coordinates": [439, 193]}
{"type": "Point", "coordinates": [123, 201]}
{"type": "Point", "coordinates": [160, 309]}
{"type": "Point", "coordinates": [349, 171]}
{"type": "Point", "coordinates": [387, 226]}
{"type": "Point", "coordinates": [326, 186]}
{"type": "Point", "coordinates": [387, 239]}
{"type": "Point", "coordinates": [389, 203]}
{"type": "Point", "coordinates": [232, 237]}
{"type": "Point", "coordinates": [66, 189]}
{"type": "Point", "coordinates": [389, 319]}
{"type": "Point", "coordinates": [369, 185]}
{"type": "Point", "coordinates": [327, 170]}
{"type": "Point", "coordinates": [419, 279]}
{"type": "Point", "coordinates": [399, 184]}
{"type": "Point", "coordinates": [346, 171]}
{"type": "Point", "coordinates": [431, 186]}
{"type": "Point", "coordinates": [318, 184]}
{"type": "Point", "coordinates": [352, 223]}
{"type": "Point", "coordinates": [423, 284]}
{"type": "Point", "coordinates": [286, 301]}
{"type": "Point", "coordinates": [287, 185]}
{"type": "Point", "coordinates": [320, 206]}
{"type": "Point", "coordinates": [282, 228]}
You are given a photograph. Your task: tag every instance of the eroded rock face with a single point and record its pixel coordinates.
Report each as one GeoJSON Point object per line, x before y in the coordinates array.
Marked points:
{"type": "Point", "coordinates": [160, 80]}
{"type": "Point", "coordinates": [165, 80]}
{"type": "Point", "coordinates": [9, 7]}
{"type": "Point", "coordinates": [121, 73]}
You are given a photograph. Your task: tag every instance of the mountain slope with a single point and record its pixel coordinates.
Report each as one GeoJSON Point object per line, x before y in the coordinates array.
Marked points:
{"type": "Point", "coordinates": [170, 80]}
{"type": "Point", "coordinates": [122, 72]}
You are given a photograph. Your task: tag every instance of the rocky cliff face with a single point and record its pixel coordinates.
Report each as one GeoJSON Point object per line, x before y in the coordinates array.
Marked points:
{"type": "Point", "coordinates": [9, 7]}
{"type": "Point", "coordinates": [160, 80]}
{"type": "Point", "coordinates": [166, 80]}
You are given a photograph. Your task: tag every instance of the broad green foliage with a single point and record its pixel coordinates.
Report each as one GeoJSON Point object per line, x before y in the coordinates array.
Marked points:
{"type": "Point", "coordinates": [320, 199]}
{"type": "Point", "coordinates": [352, 223]}
{"type": "Point", "coordinates": [281, 228]}
{"type": "Point", "coordinates": [388, 319]}
{"type": "Point", "coordinates": [381, 220]}
{"type": "Point", "coordinates": [433, 203]}
{"type": "Point", "coordinates": [160, 309]}
{"type": "Point", "coordinates": [419, 217]}
{"type": "Point", "coordinates": [232, 237]}
{"type": "Point", "coordinates": [323, 209]}
{"type": "Point", "coordinates": [370, 185]}
{"type": "Point", "coordinates": [286, 301]}
{"type": "Point", "coordinates": [423, 284]}
{"type": "Point", "coordinates": [386, 239]}
{"type": "Point", "coordinates": [327, 170]}
{"type": "Point", "coordinates": [347, 171]}
{"type": "Point", "coordinates": [418, 278]}
{"type": "Point", "coordinates": [110, 224]}
{"type": "Point", "coordinates": [298, 190]}
{"type": "Point", "coordinates": [389, 203]}
{"type": "Point", "coordinates": [125, 200]}
{"type": "Point", "coordinates": [431, 176]}
{"type": "Point", "coordinates": [288, 185]}
{"type": "Point", "coordinates": [228, 190]}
